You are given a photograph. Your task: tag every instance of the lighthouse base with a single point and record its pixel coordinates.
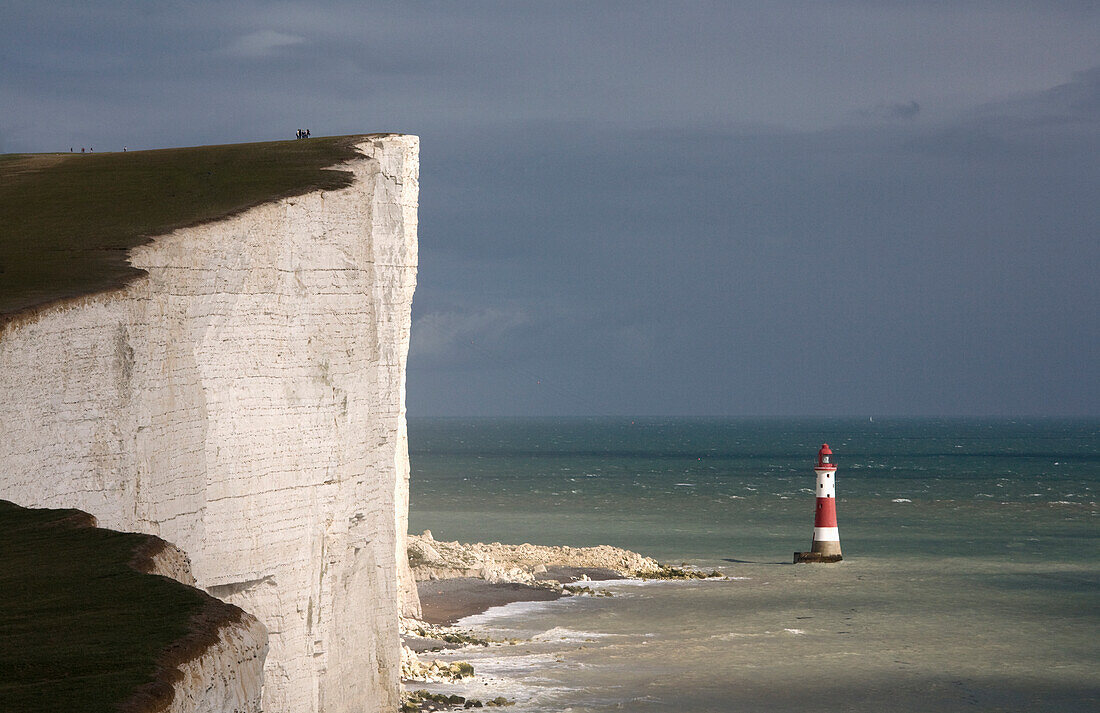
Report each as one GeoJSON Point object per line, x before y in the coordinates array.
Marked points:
{"type": "Point", "coordinates": [800, 557]}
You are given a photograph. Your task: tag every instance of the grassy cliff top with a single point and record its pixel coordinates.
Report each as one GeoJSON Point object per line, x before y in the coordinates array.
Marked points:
{"type": "Point", "coordinates": [80, 628]}
{"type": "Point", "coordinates": [67, 221]}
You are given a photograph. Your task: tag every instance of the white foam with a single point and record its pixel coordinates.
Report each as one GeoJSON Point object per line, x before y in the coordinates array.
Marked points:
{"type": "Point", "coordinates": [504, 610]}
{"type": "Point", "coordinates": [901, 500]}
{"type": "Point", "coordinates": [626, 584]}
{"type": "Point", "coordinates": [733, 635]}
{"type": "Point", "coordinates": [509, 677]}
{"type": "Point", "coordinates": [561, 633]}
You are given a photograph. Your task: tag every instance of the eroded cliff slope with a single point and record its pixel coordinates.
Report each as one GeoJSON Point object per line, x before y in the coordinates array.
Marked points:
{"type": "Point", "coordinates": [245, 400]}
{"type": "Point", "coordinates": [84, 628]}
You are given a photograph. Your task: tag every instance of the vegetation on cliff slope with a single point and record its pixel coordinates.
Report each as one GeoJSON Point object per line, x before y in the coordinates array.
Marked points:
{"type": "Point", "coordinates": [68, 220]}
{"type": "Point", "coordinates": [81, 630]}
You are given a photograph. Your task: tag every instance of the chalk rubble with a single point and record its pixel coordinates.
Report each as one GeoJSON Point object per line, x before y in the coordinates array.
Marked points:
{"type": "Point", "coordinates": [496, 562]}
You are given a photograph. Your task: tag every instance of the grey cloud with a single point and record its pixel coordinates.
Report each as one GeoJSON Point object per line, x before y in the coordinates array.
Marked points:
{"type": "Point", "coordinates": [722, 252]}
{"type": "Point", "coordinates": [1058, 120]}
{"type": "Point", "coordinates": [262, 43]}
{"type": "Point", "coordinates": [458, 66]}
{"type": "Point", "coordinates": [1074, 102]}
{"type": "Point", "coordinates": [908, 110]}
{"type": "Point", "coordinates": [442, 333]}
{"type": "Point", "coordinates": [900, 110]}
{"type": "Point", "coordinates": [657, 206]}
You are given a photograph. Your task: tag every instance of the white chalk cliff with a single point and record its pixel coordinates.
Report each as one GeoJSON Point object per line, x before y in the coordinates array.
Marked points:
{"type": "Point", "coordinates": [244, 400]}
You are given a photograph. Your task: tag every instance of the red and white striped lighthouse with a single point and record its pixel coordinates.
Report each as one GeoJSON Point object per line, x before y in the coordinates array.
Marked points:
{"type": "Point", "coordinates": [826, 543]}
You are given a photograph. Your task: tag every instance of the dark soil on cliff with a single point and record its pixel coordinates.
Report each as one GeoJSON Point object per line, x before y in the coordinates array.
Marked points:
{"type": "Point", "coordinates": [82, 630]}
{"type": "Point", "coordinates": [67, 221]}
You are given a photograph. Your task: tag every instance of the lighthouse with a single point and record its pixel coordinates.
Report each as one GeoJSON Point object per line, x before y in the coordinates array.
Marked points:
{"type": "Point", "coordinates": [826, 543]}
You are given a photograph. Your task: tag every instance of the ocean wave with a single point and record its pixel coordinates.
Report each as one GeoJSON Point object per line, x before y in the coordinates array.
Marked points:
{"type": "Point", "coordinates": [617, 584]}
{"type": "Point", "coordinates": [513, 677]}
{"type": "Point", "coordinates": [734, 635]}
{"type": "Point", "coordinates": [562, 633]}
{"type": "Point", "coordinates": [496, 663]}
{"type": "Point", "coordinates": [901, 500]}
{"type": "Point", "coordinates": [511, 609]}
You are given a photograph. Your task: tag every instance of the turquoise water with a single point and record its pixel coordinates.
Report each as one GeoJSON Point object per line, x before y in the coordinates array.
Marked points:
{"type": "Point", "coordinates": [970, 579]}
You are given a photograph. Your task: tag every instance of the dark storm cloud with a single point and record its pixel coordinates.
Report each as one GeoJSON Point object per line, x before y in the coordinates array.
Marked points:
{"type": "Point", "coordinates": [159, 67]}
{"type": "Point", "coordinates": [906, 110]}
{"type": "Point", "coordinates": [847, 270]}
{"type": "Point", "coordinates": [1060, 120]}
{"type": "Point", "coordinates": [634, 207]}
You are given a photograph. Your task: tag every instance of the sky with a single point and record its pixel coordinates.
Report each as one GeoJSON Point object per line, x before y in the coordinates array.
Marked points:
{"type": "Point", "coordinates": [816, 208]}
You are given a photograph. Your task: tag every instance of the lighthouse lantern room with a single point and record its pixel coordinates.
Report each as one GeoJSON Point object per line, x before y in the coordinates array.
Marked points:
{"type": "Point", "coordinates": [826, 542]}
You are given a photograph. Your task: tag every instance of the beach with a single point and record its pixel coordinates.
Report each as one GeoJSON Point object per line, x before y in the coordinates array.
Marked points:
{"type": "Point", "coordinates": [446, 601]}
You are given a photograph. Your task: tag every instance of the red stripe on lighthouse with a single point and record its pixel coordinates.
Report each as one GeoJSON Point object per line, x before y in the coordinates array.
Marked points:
{"type": "Point", "coordinates": [826, 513]}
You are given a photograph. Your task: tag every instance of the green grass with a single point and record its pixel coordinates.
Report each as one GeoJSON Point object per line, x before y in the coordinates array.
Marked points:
{"type": "Point", "coordinates": [68, 220]}
{"type": "Point", "coordinates": [80, 629]}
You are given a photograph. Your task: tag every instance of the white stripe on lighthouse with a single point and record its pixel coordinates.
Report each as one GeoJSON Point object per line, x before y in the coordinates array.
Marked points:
{"type": "Point", "coordinates": [826, 488]}
{"type": "Point", "coordinates": [826, 534]}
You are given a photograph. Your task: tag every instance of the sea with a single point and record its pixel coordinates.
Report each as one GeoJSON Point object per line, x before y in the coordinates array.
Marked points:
{"type": "Point", "coordinates": [970, 580]}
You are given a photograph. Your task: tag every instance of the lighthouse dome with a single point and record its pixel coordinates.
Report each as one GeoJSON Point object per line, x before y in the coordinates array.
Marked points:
{"type": "Point", "coordinates": [825, 457]}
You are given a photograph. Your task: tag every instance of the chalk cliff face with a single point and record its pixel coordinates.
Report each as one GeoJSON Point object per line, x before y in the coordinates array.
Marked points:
{"type": "Point", "coordinates": [245, 401]}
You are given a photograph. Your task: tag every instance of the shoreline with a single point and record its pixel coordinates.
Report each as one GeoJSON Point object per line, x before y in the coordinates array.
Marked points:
{"type": "Point", "coordinates": [444, 602]}
{"type": "Point", "coordinates": [457, 580]}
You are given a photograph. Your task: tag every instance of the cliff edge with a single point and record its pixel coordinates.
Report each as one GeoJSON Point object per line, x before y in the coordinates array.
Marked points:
{"type": "Point", "coordinates": [244, 399]}
{"type": "Point", "coordinates": [84, 627]}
